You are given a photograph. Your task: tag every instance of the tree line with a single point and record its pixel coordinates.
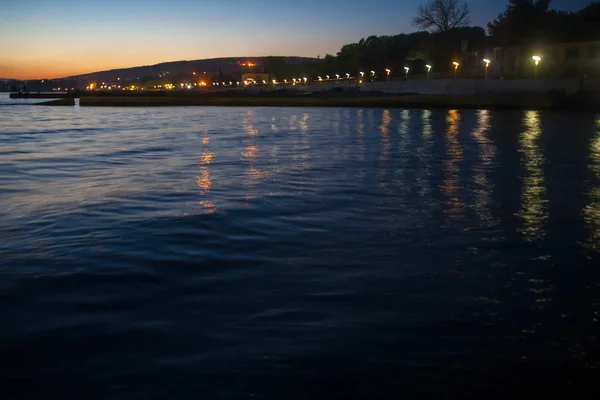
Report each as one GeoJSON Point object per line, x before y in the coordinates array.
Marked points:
{"type": "Point", "coordinates": [443, 30]}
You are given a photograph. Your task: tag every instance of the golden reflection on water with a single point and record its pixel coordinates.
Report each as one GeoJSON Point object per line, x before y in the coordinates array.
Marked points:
{"type": "Point", "coordinates": [487, 153]}
{"type": "Point", "coordinates": [591, 211]}
{"type": "Point", "coordinates": [454, 155]}
{"type": "Point", "coordinates": [532, 212]}
{"type": "Point", "coordinates": [253, 174]}
{"type": "Point", "coordinates": [384, 129]}
{"type": "Point", "coordinates": [203, 181]}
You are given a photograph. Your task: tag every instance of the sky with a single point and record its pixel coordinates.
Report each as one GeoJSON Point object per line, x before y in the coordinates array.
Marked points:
{"type": "Point", "coordinates": [57, 38]}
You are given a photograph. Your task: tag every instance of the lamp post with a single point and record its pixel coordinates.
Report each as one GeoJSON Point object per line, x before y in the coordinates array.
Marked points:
{"type": "Point", "coordinates": [406, 69]}
{"type": "Point", "coordinates": [347, 75]}
{"type": "Point", "coordinates": [337, 76]}
{"type": "Point", "coordinates": [487, 64]}
{"type": "Point", "coordinates": [372, 76]}
{"type": "Point", "coordinates": [455, 68]}
{"type": "Point", "coordinates": [537, 60]}
{"type": "Point", "coordinates": [428, 69]}
{"type": "Point", "coordinates": [387, 74]}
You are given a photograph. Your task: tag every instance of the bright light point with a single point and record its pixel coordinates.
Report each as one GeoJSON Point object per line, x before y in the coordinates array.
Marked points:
{"type": "Point", "coordinates": [536, 58]}
{"type": "Point", "coordinates": [456, 64]}
{"type": "Point", "coordinates": [406, 69]}
{"type": "Point", "coordinates": [485, 60]}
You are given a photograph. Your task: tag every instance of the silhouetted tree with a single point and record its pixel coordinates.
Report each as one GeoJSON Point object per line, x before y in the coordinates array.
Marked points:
{"type": "Point", "coordinates": [524, 21]}
{"type": "Point", "coordinates": [442, 15]}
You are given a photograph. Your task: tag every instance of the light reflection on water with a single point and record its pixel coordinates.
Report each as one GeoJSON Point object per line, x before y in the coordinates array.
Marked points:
{"type": "Point", "coordinates": [386, 119]}
{"type": "Point", "coordinates": [454, 152]}
{"type": "Point", "coordinates": [203, 181]}
{"type": "Point", "coordinates": [532, 212]}
{"type": "Point", "coordinates": [487, 152]}
{"type": "Point", "coordinates": [264, 244]}
{"type": "Point", "coordinates": [591, 211]}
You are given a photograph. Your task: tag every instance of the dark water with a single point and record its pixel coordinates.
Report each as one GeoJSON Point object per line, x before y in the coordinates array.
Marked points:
{"type": "Point", "coordinates": [297, 253]}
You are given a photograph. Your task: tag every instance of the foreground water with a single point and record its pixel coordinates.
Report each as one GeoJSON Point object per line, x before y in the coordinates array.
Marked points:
{"type": "Point", "coordinates": [297, 253]}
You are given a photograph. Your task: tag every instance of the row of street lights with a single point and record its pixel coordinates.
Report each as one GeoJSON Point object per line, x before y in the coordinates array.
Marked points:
{"type": "Point", "coordinates": [536, 59]}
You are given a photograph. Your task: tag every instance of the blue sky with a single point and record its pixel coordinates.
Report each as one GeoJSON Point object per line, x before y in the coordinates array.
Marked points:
{"type": "Point", "coordinates": [51, 38]}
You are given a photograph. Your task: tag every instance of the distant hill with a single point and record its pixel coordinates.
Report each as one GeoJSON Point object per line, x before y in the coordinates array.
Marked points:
{"type": "Point", "coordinates": [210, 66]}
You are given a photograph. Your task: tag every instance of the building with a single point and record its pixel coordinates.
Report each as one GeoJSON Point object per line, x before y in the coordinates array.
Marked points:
{"type": "Point", "coordinates": [255, 77]}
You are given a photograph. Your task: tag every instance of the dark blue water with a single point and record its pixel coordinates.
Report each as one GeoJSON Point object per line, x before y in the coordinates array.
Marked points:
{"type": "Point", "coordinates": [297, 253]}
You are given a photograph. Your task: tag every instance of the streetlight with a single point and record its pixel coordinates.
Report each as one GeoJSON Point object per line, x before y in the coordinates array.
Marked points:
{"type": "Point", "coordinates": [327, 76]}
{"type": "Point", "coordinates": [406, 69]}
{"type": "Point", "coordinates": [362, 74]}
{"type": "Point", "coordinates": [537, 60]}
{"type": "Point", "coordinates": [305, 79]}
{"type": "Point", "coordinates": [387, 74]}
{"type": "Point", "coordinates": [337, 76]}
{"type": "Point", "coordinates": [455, 68]}
{"type": "Point", "coordinates": [487, 64]}
{"type": "Point", "coordinates": [372, 76]}
{"type": "Point", "coordinates": [347, 75]}
{"type": "Point", "coordinates": [320, 79]}
{"type": "Point", "coordinates": [428, 69]}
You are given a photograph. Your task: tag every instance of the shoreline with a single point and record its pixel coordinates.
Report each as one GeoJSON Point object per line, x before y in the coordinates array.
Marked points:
{"type": "Point", "coordinates": [508, 101]}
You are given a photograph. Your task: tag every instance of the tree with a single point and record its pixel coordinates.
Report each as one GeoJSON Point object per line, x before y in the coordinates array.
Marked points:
{"type": "Point", "coordinates": [524, 21]}
{"type": "Point", "coordinates": [442, 15]}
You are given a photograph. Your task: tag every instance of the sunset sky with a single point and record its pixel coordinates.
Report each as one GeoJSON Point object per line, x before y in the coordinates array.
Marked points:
{"type": "Point", "coordinates": [56, 38]}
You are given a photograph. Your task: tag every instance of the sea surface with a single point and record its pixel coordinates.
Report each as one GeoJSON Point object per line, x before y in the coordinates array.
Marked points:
{"type": "Point", "coordinates": [297, 253]}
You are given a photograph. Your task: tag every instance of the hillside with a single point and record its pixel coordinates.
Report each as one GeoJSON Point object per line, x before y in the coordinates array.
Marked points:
{"type": "Point", "coordinates": [210, 66]}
